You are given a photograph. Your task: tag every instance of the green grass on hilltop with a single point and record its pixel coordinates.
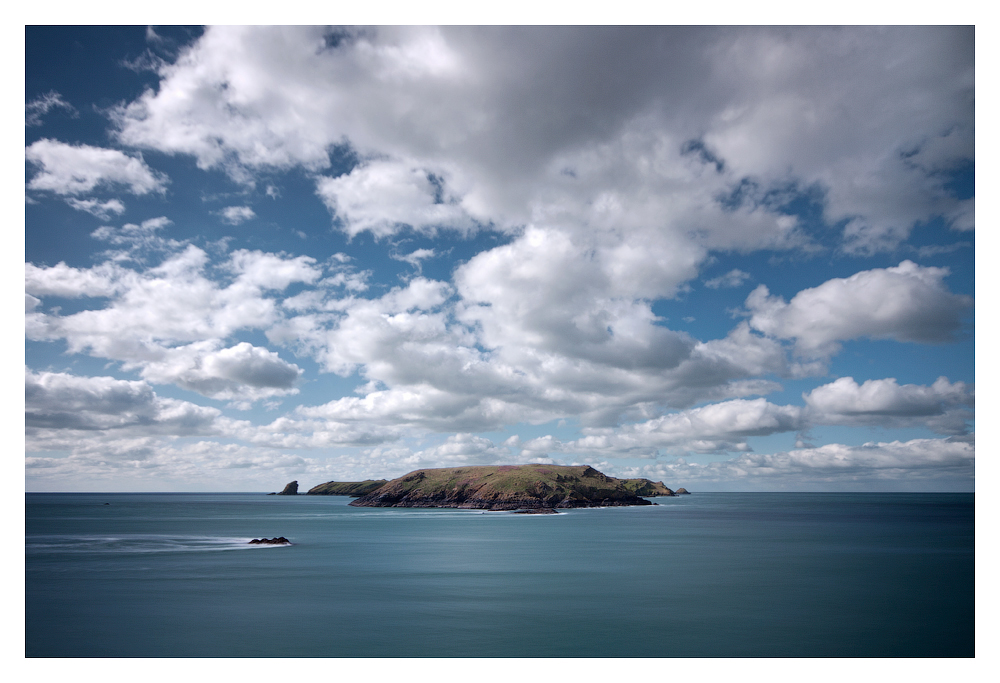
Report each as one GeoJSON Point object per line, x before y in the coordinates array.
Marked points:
{"type": "Point", "coordinates": [347, 488]}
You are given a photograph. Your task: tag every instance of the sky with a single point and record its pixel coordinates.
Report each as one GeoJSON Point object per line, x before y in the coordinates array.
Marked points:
{"type": "Point", "coordinates": [728, 259]}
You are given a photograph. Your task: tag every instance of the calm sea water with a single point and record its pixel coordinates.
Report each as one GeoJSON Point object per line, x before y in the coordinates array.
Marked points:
{"type": "Point", "coordinates": [706, 575]}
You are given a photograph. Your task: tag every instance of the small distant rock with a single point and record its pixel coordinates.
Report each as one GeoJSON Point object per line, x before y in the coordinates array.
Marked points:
{"type": "Point", "coordinates": [681, 492]}
{"type": "Point", "coordinates": [280, 540]}
{"type": "Point", "coordinates": [291, 489]}
{"type": "Point", "coordinates": [536, 511]}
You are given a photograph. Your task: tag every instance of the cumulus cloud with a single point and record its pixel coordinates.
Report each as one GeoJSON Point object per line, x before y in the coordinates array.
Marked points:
{"type": "Point", "coordinates": [78, 169]}
{"type": "Point", "coordinates": [138, 239]}
{"type": "Point", "coordinates": [415, 258]}
{"type": "Point", "coordinates": [242, 373]}
{"type": "Point", "coordinates": [59, 401]}
{"type": "Point", "coordinates": [611, 197]}
{"type": "Point", "coordinates": [877, 465]}
{"type": "Point", "coordinates": [169, 322]}
{"type": "Point", "coordinates": [733, 278]}
{"type": "Point", "coordinates": [714, 428]}
{"type": "Point", "coordinates": [381, 197]}
{"type": "Point", "coordinates": [234, 215]}
{"type": "Point", "coordinates": [517, 131]}
{"type": "Point", "coordinates": [66, 281]}
{"type": "Point", "coordinates": [907, 303]}
{"type": "Point", "coordinates": [102, 210]}
{"type": "Point", "coordinates": [608, 214]}
{"type": "Point", "coordinates": [943, 406]}
{"type": "Point", "coordinates": [154, 465]}
{"type": "Point", "coordinates": [272, 271]}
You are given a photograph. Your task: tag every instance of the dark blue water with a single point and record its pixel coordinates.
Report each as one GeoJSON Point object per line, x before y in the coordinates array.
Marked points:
{"type": "Point", "coordinates": [706, 575]}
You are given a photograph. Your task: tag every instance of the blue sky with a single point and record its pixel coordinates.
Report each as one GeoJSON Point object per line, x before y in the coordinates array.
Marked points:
{"type": "Point", "coordinates": [724, 258]}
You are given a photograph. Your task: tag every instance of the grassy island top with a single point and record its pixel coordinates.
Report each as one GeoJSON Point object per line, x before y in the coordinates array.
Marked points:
{"type": "Point", "coordinates": [509, 487]}
{"type": "Point", "coordinates": [347, 488]}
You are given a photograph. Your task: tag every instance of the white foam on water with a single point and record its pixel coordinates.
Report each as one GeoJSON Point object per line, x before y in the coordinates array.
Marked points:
{"type": "Point", "coordinates": [133, 543]}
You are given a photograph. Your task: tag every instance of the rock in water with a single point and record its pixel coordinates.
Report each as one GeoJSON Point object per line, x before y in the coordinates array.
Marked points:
{"type": "Point", "coordinates": [291, 489]}
{"type": "Point", "coordinates": [681, 491]}
{"type": "Point", "coordinates": [278, 540]}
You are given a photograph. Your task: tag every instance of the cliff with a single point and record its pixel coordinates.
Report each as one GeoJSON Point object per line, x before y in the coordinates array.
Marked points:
{"type": "Point", "coordinates": [508, 487]}
{"type": "Point", "coordinates": [346, 488]}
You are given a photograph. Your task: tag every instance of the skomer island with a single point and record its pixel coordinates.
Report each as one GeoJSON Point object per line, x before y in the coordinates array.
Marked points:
{"type": "Point", "coordinates": [500, 487]}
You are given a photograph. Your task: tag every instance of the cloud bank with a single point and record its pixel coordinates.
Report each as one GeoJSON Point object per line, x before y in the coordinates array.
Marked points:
{"type": "Point", "coordinates": [494, 231]}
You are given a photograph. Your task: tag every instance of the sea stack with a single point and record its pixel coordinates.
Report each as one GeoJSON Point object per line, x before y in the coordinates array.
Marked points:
{"type": "Point", "coordinates": [291, 489]}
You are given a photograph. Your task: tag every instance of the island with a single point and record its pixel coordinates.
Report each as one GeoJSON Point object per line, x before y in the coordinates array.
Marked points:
{"type": "Point", "coordinates": [511, 487]}
{"type": "Point", "coordinates": [346, 488]}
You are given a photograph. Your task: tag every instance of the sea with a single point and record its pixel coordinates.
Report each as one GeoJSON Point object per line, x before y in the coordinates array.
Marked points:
{"type": "Point", "coordinates": [704, 575]}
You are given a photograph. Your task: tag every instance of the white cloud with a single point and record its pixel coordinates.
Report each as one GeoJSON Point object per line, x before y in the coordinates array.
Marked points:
{"type": "Point", "coordinates": [56, 402]}
{"type": "Point", "coordinates": [154, 465]}
{"type": "Point", "coordinates": [65, 281]}
{"type": "Point", "coordinates": [733, 278]}
{"type": "Point", "coordinates": [714, 428]}
{"type": "Point", "coordinates": [872, 466]}
{"type": "Point", "coordinates": [102, 210]}
{"type": "Point", "coordinates": [462, 449]}
{"type": "Point", "coordinates": [382, 196]}
{"type": "Point", "coordinates": [40, 106]}
{"type": "Point", "coordinates": [234, 215]}
{"type": "Point", "coordinates": [513, 118]}
{"type": "Point", "coordinates": [79, 169]}
{"type": "Point", "coordinates": [138, 238]}
{"type": "Point", "coordinates": [943, 406]}
{"type": "Point", "coordinates": [607, 215]}
{"type": "Point", "coordinates": [242, 373]}
{"type": "Point", "coordinates": [415, 258]}
{"type": "Point", "coordinates": [907, 303]}
{"type": "Point", "coordinates": [609, 196]}
{"type": "Point", "coordinates": [169, 322]}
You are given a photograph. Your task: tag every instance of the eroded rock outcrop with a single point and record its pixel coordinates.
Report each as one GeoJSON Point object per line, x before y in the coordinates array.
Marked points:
{"type": "Point", "coordinates": [291, 489]}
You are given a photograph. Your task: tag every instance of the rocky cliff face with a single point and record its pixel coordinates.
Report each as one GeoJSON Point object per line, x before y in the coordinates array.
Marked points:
{"type": "Point", "coordinates": [291, 489]}
{"type": "Point", "coordinates": [504, 487]}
